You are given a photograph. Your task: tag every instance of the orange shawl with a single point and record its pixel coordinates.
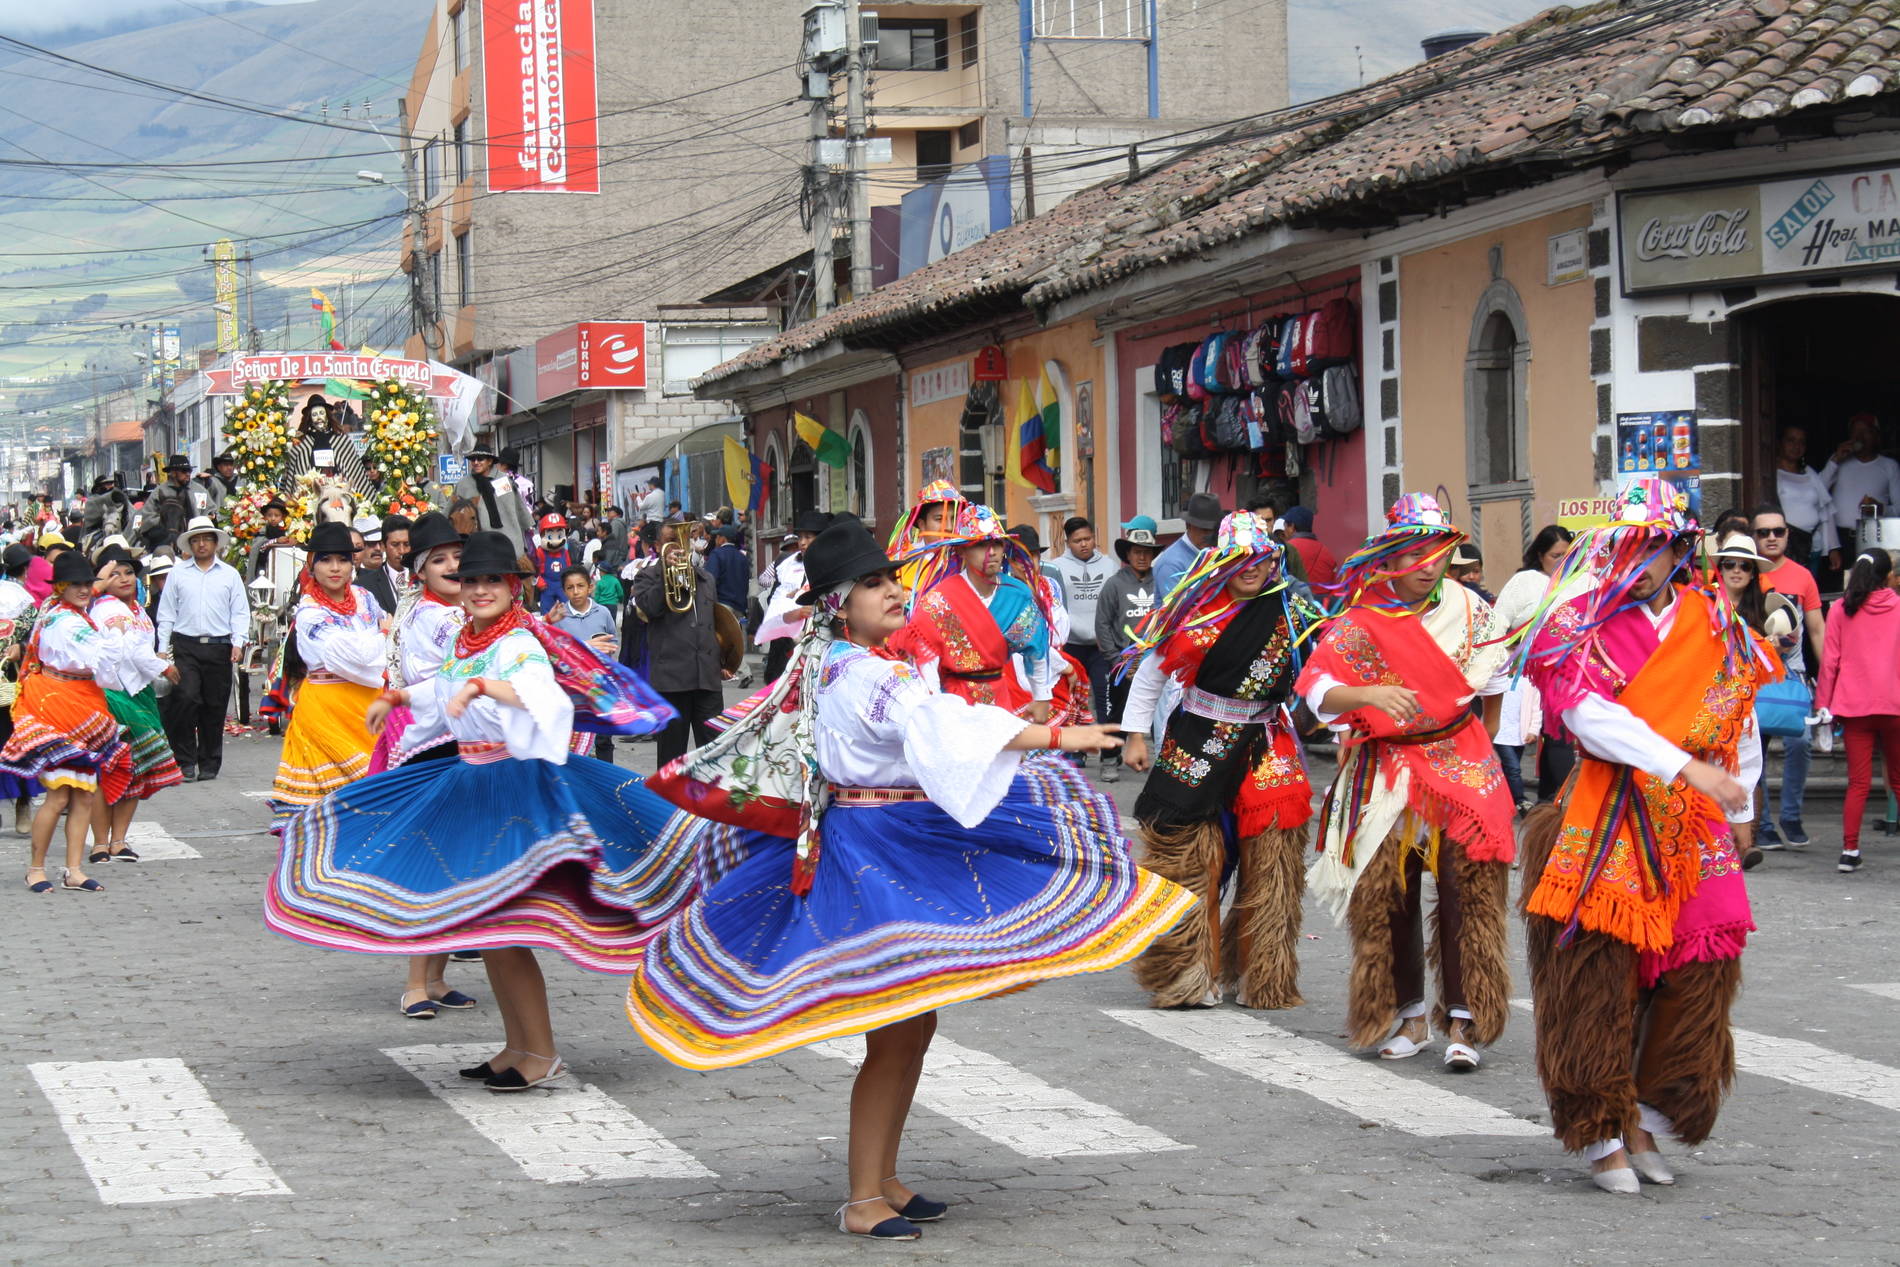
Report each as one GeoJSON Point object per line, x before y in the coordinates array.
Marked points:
{"type": "Point", "coordinates": [1631, 848]}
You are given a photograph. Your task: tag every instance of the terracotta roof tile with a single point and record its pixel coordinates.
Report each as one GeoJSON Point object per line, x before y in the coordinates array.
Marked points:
{"type": "Point", "coordinates": [1564, 89]}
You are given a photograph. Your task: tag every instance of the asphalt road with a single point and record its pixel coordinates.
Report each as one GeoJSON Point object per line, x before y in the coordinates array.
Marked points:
{"type": "Point", "coordinates": [184, 1087]}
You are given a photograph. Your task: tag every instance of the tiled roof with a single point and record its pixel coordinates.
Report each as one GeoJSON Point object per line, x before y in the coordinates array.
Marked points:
{"type": "Point", "coordinates": [1559, 92]}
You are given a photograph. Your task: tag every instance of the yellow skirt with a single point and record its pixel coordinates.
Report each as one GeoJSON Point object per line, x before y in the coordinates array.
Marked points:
{"type": "Point", "coordinates": [326, 745]}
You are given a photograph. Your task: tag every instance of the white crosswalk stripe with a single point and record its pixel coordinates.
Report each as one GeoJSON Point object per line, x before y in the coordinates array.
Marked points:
{"type": "Point", "coordinates": [146, 1130]}
{"type": "Point", "coordinates": [563, 1134]}
{"type": "Point", "coordinates": [1266, 1053]}
{"type": "Point", "coordinates": [1890, 990]}
{"type": "Point", "coordinates": [1015, 1108]}
{"type": "Point", "coordinates": [153, 843]}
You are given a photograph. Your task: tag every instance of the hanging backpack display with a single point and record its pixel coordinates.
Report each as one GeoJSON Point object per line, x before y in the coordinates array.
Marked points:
{"type": "Point", "coordinates": [1340, 402]}
{"type": "Point", "coordinates": [1196, 390]}
{"type": "Point", "coordinates": [1230, 426]}
{"type": "Point", "coordinates": [1296, 410]}
{"type": "Point", "coordinates": [1332, 335]}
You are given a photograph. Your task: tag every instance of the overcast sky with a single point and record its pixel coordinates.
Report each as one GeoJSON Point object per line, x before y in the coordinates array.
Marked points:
{"type": "Point", "coordinates": [39, 15]}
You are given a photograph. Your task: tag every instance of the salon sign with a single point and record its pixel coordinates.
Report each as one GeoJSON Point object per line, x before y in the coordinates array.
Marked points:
{"type": "Point", "coordinates": [1717, 235]}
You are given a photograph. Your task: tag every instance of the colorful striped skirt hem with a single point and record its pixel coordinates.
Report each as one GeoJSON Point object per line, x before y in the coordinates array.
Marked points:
{"type": "Point", "coordinates": [444, 855]}
{"type": "Point", "coordinates": [327, 746]}
{"type": "Point", "coordinates": [908, 912]}
{"type": "Point", "coordinates": [153, 766]}
{"type": "Point", "coordinates": [64, 735]}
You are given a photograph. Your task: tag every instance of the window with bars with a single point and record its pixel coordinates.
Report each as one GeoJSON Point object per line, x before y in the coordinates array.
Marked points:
{"type": "Point", "coordinates": [461, 151]}
{"type": "Point", "coordinates": [464, 270]}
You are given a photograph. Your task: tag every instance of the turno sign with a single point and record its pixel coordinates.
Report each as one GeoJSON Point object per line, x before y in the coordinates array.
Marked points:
{"type": "Point", "coordinates": [1817, 223]}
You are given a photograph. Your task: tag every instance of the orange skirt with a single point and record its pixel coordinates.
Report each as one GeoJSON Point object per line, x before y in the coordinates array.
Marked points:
{"type": "Point", "coordinates": [64, 735]}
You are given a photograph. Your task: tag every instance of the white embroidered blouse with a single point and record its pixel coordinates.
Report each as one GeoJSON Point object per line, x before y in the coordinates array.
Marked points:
{"type": "Point", "coordinates": [351, 646]}
{"type": "Point", "coordinates": [537, 731]}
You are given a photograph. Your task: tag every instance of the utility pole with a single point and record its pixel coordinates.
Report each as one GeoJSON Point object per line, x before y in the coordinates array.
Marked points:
{"type": "Point", "coordinates": [251, 339]}
{"type": "Point", "coordinates": [824, 276]}
{"type": "Point", "coordinates": [857, 160]}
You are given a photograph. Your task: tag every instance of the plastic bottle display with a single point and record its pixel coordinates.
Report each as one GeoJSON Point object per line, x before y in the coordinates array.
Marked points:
{"type": "Point", "coordinates": [1629, 456]}
{"type": "Point", "coordinates": [1642, 450]}
{"type": "Point", "coordinates": [1679, 444]}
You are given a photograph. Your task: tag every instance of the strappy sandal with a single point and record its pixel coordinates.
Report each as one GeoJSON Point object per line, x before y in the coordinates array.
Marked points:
{"type": "Point", "coordinates": [515, 1080]}
{"type": "Point", "coordinates": [123, 853]}
{"type": "Point", "coordinates": [41, 885]}
{"type": "Point", "coordinates": [483, 1071]}
{"type": "Point", "coordinates": [423, 1009]}
{"type": "Point", "coordinates": [1401, 1047]}
{"type": "Point", "coordinates": [1461, 1056]}
{"type": "Point", "coordinates": [88, 885]}
{"type": "Point", "coordinates": [897, 1228]}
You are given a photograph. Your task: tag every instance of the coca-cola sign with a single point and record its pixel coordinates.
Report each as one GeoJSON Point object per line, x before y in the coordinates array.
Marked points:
{"type": "Point", "coordinates": [1719, 235]}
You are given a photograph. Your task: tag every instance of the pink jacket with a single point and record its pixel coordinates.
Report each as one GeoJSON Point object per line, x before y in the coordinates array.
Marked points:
{"type": "Point", "coordinates": [1862, 654]}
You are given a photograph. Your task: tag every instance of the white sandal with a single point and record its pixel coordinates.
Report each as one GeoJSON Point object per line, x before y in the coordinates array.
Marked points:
{"type": "Point", "coordinates": [1399, 1047]}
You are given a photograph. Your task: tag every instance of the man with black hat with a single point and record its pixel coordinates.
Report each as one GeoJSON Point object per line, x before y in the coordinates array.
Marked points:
{"type": "Point", "coordinates": [174, 503]}
{"type": "Point", "coordinates": [204, 618]}
{"type": "Point", "coordinates": [222, 481]}
{"type": "Point", "coordinates": [682, 651]}
{"type": "Point", "coordinates": [1202, 516]}
{"type": "Point", "coordinates": [783, 619]}
{"type": "Point", "coordinates": [497, 507]}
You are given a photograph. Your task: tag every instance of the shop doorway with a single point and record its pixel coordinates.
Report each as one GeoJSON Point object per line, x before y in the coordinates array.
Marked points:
{"type": "Point", "coordinates": [1814, 363]}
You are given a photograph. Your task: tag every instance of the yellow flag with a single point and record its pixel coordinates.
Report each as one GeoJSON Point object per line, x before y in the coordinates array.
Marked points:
{"type": "Point", "coordinates": [738, 474]}
{"type": "Point", "coordinates": [1013, 431]}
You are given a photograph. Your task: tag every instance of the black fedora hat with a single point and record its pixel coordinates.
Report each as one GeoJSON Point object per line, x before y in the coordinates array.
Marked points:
{"type": "Point", "coordinates": [177, 462]}
{"type": "Point", "coordinates": [843, 552]}
{"type": "Point", "coordinates": [428, 532]}
{"type": "Point", "coordinates": [116, 554]}
{"type": "Point", "coordinates": [16, 557]}
{"type": "Point", "coordinates": [330, 538]}
{"type": "Point", "coordinates": [72, 568]}
{"type": "Point", "coordinates": [811, 521]}
{"type": "Point", "coordinates": [482, 451]}
{"type": "Point", "coordinates": [1027, 537]}
{"type": "Point", "coordinates": [488, 554]}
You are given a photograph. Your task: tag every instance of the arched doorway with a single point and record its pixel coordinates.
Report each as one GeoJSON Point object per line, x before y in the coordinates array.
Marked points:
{"type": "Point", "coordinates": [1814, 362]}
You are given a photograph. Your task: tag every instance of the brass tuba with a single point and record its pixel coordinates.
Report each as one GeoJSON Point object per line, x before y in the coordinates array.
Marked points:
{"type": "Point", "coordinates": [678, 578]}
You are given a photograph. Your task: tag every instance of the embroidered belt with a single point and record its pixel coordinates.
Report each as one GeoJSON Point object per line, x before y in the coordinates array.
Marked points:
{"type": "Point", "coordinates": [1225, 708]}
{"type": "Point", "coordinates": [981, 675]}
{"type": "Point", "coordinates": [64, 675]}
{"type": "Point", "coordinates": [321, 675]}
{"type": "Point", "coordinates": [876, 795]}
{"type": "Point", "coordinates": [1430, 736]}
{"type": "Point", "coordinates": [483, 753]}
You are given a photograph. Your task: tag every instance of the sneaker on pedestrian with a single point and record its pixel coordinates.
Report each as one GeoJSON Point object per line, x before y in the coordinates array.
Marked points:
{"type": "Point", "coordinates": [1795, 834]}
{"type": "Point", "coordinates": [1850, 861]}
{"type": "Point", "coordinates": [1768, 838]}
{"type": "Point", "coordinates": [1111, 773]}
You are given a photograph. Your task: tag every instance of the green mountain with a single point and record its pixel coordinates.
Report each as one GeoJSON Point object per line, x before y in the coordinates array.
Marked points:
{"type": "Point", "coordinates": [112, 189]}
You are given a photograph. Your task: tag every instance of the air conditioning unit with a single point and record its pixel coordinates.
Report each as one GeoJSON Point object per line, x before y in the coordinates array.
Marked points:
{"type": "Point", "coordinates": [824, 36]}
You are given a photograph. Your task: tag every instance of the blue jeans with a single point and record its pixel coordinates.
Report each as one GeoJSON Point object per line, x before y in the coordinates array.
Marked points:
{"type": "Point", "coordinates": [1511, 757]}
{"type": "Point", "coordinates": [1794, 779]}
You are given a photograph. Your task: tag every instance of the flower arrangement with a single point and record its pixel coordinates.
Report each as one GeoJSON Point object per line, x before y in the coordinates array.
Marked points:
{"type": "Point", "coordinates": [404, 437]}
{"type": "Point", "coordinates": [258, 428]}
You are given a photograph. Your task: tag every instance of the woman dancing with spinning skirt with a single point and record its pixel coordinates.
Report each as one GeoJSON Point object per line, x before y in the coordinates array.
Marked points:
{"type": "Point", "coordinates": [428, 617]}
{"type": "Point", "coordinates": [910, 859]}
{"type": "Point", "coordinates": [338, 634]}
{"type": "Point", "coordinates": [1419, 788]}
{"type": "Point", "coordinates": [130, 697]}
{"type": "Point", "coordinates": [18, 611]}
{"type": "Point", "coordinates": [63, 731]}
{"type": "Point", "coordinates": [517, 844]}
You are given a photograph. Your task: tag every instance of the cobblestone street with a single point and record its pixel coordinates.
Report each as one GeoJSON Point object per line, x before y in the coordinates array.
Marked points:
{"type": "Point", "coordinates": [188, 1088]}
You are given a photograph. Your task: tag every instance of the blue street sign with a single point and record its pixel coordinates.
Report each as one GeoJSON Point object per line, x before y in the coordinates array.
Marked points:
{"type": "Point", "coordinates": [449, 469]}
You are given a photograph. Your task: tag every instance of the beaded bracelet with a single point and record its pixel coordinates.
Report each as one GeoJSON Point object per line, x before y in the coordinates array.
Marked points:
{"type": "Point", "coordinates": [481, 687]}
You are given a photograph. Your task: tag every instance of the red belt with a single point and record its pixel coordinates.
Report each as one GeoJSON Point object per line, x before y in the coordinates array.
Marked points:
{"type": "Point", "coordinates": [482, 753]}
{"type": "Point", "coordinates": [63, 675]}
{"type": "Point", "coordinates": [876, 795]}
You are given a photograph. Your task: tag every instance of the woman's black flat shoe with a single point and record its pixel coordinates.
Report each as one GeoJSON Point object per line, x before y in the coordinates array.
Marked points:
{"type": "Point", "coordinates": [921, 1209]}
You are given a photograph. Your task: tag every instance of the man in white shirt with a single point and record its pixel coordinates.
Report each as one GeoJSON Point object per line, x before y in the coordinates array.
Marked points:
{"type": "Point", "coordinates": [1860, 475]}
{"type": "Point", "coordinates": [650, 506]}
{"type": "Point", "coordinates": [1084, 570]}
{"type": "Point", "coordinates": [204, 619]}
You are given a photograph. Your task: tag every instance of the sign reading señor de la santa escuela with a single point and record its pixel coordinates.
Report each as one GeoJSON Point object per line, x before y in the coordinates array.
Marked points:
{"type": "Point", "coordinates": [1708, 235]}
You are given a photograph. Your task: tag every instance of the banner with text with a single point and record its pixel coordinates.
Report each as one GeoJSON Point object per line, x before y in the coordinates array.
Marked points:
{"type": "Point", "coordinates": [542, 98]}
{"type": "Point", "coordinates": [428, 377]}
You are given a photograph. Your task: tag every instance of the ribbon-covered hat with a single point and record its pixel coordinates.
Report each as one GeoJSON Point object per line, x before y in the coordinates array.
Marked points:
{"type": "Point", "coordinates": [1415, 519]}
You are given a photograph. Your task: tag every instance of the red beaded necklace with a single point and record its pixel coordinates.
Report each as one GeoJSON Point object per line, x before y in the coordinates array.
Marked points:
{"type": "Point", "coordinates": [345, 606]}
{"type": "Point", "coordinates": [469, 643]}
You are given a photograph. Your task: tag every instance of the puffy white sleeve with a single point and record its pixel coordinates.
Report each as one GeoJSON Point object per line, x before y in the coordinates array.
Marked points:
{"type": "Point", "coordinates": [1748, 759]}
{"type": "Point", "coordinates": [73, 646]}
{"type": "Point", "coordinates": [353, 652]}
{"type": "Point", "coordinates": [772, 621]}
{"type": "Point", "coordinates": [1611, 732]}
{"type": "Point", "coordinates": [541, 727]}
{"type": "Point", "coordinates": [1144, 692]}
{"type": "Point", "coordinates": [1323, 685]}
{"type": "Point", "coordinates": [953, 748]}
{"type": "Point", "coordinates": [139, 664]}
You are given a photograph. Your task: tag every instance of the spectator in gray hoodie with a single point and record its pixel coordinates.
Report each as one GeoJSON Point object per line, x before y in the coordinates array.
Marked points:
{"type": "Point", "coordinates": [1126, 597]}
